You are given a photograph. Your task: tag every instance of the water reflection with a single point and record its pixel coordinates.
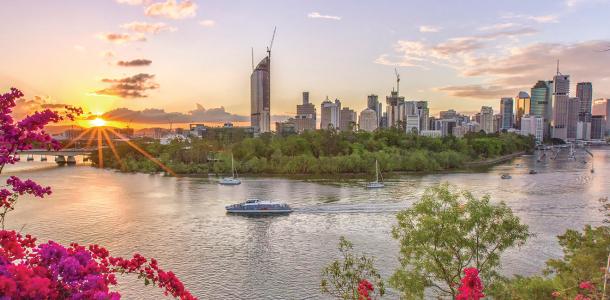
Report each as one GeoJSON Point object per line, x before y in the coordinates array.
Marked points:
{"type": "Point", "coordinates": [182, 221]}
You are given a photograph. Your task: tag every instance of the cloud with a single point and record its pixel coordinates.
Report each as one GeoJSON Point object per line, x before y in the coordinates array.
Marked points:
{"type": "Point", "coordinates": [129, 87]}
{"type": "Point", "coordinates": [134, 63]}
{"type": "Point", "coordinates": [132, 2]}
{"type": "Point", "coordinates": [160, 116]}
{"type": "Point", "coordinates": [537, 19]}
{"type": "Point", "coordinates": [172, 9]}
{"type": "Point", "coordinates": [120, 38]}
{"type": "Point", "coordinates": [499, 26]}
{"type": "Point", "coordinates": [207, 23]}
{"type": "Point", "coordinates": [520, 68]}
{"type": "Point", "coordinates": [477, 91]}
{"type": "Point", "coordinates": [429, 28]}
{"type": "Point", "coordinates": [451, 52]}
{"type": "Point", "coordinates": [79, 48]}
{"type": "Point", "coordinates": [317, 15]}
{"type": "Point", "coordinates": [26, 107]}
{"type": "Point", "coordinates": [144, 27]}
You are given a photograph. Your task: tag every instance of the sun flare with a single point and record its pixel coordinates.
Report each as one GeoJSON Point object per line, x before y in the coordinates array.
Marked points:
{"type": "Point", "coordinates": [97, 122]}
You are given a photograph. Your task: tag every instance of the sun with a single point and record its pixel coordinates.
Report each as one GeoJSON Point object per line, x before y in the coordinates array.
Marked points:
{"type": "Point", "coordinates": [97, 122]}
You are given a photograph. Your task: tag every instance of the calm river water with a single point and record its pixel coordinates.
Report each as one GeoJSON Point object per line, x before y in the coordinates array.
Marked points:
{"type": "Point", "coordinates": [182, 222]}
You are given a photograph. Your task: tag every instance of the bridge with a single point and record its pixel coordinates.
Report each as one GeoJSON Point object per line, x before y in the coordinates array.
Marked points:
{"type": "Point", "coordinates": [62, 156]}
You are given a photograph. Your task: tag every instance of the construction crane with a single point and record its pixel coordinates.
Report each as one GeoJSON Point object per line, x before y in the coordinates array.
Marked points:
{"type": "Point", "coordinates": [397, 81]}
{"type": "Point", "coordinates": [271, 43]}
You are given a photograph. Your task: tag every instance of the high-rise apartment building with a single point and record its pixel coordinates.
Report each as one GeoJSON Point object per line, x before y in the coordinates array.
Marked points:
{"type": "Point", "coordinates": [533, 125]}
{"type": "Point", "coordinates": [522, 107]}
{"type": "Point", "coordinates": [368, 120]}
{"type": "Point", "coordinates": [506, 112]}
{"type": "Point", "coordinates": [572, 116]}
{"type": "Point", "coordinates": [584, 92]}
{"type": "Point", "coordinates": [424, 114]}
{"type": "Point", "coordinates": [330, 114]}
{"type": "Point", "coordinates": [487, 118]}
{"type": "Point", "coordinates": [598, 127]}
{"type": "Point", "coordinates": [306, 115]}
{"type": "Point", "coordinates": [374, 104]}
{"type": "Point", "coordinates": [395, 109]}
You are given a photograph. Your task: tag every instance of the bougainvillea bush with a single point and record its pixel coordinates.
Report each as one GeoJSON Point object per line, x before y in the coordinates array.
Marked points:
{"type": "Point", "coordinates": [50, 270]}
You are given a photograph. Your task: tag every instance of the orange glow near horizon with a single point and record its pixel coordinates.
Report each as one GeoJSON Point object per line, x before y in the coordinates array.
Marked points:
{"type": "Point", "coordinates": [97, 122]}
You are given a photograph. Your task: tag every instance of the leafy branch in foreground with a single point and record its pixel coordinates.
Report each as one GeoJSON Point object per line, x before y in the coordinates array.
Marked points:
{"type": "Point", "coordinates": [446, 231]}
{"type": "Point", "coordinates": [353, 277]}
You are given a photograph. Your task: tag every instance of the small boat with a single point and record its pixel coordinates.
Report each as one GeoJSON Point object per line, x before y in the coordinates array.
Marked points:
{"type": "Point", "coordinates": [532, 171]}
{"type": "Point", "coordinates": [233, 180]}
{"type": "Point", "coordinates": [256, 206]}
{"type": "Point", "coordinates": [376, 184]}
{"type": "Point", "coordinates": [506, 176]}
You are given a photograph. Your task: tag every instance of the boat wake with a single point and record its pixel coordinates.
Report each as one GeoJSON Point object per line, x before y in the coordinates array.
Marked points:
{"type": "Point", "coordinates": [371, 208]}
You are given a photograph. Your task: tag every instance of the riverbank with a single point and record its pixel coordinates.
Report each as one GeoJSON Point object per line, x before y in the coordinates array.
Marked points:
{"type": "Point", "coordinates": [493, 161]}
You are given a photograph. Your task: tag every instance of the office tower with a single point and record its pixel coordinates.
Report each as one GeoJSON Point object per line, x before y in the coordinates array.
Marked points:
{"type": "Point", "coordinates": [477, 117]}
{"type": "Point", "coordinates": [497, 122]}
{"type": "Point", "coordinates": [347, 119]}
{"type": "Point", "coordinates": [487, 117]}
{"type": "Point", "coordinates": [368, 120]}
{"type": "Point", "coordinates": [448, 114]}
{"type": "Point", "coordinates": [572, 117]}
{"type": "Point", "coordinates": [306, 115]}
{"type": "Point", "coordinates": [506, 112]}
{"type": "Point", "coordinates": [541, 103]}
{"type": "Point", "coordinates": [330, 114]}
{"type": "Point", "coordinates": [561, 102]}
{"type": "Point", "coordinates": [374, 104]}
{"type": "Point", "coordinates": [584, 92]}
{"type": "Point", "coordinates": [598, 127]}
{"type": "Point", "coordinates": [522, 108]}
{"type": "Point", "coordinates": [599, 107]}
{"type": "Point", "coordinates": [533, 125]}
{"type": "Point", "coordinates": [424, 114]}
{"type": "Point", "coordinates": [431, 123]}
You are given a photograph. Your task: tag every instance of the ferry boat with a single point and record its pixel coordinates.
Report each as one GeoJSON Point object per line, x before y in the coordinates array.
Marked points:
{"type": "Point", "coordinates": [506, 176]}
{"type": "Point", "coordinates": [233, 180]}
{"type": "Point", "coordinates": [533, 171]}
{"type": "Point", "coordinates": [376, 184]}
{"type": "Point", "coordinates": [256, 206]}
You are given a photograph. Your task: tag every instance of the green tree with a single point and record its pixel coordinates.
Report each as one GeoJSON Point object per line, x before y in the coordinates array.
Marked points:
{"type": "Point", "coordinates": [340, 278]}
{"type": "Point", "coordinates": [447, 231]}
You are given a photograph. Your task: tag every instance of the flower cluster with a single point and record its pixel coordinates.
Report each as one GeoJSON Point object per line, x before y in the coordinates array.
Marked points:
{"type": "Point", "coordinates": [364, 290]}
{"type": "Point", "coordinates": [471, 288]}
{"type": "Point", "coordinates": [51, 271]}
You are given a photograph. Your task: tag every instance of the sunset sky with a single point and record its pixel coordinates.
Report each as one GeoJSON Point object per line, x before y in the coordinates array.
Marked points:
{"type": "Point", "coordinates": [150, 61]}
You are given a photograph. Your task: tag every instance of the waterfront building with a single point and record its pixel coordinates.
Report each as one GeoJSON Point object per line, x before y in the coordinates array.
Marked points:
{"type": "Point", "coordinates": [572, 117]}
{"type": "Point", "coordinates": [486, 119]}
{"type": "Point", "coordinates": [305, 118]}
{"type": "Point", "coordinates": [561, 103]}
{"type": "Point", "coordinates": [522, 107]}
{"type": "Point", "coordinates": [347, 119]}
{"type": "Point", "coordinates": [598, 127]}
{"type": "Point", "coordinates": [533, 125]}
{"type": "Point", "coordinates": [584, 92]}
{"type": "Point", "coordinates": [506, 112]}
{"type": "Point", "coordinates": [583, 130]}
{"type": "Point", "coordinates": [368, 120]}
{"type": "Point", "coordinates": [374, 104]}
{"type": "Point", "coordinates": [541, 103]}
{"type": "Point", "coordinates": [330, 114]}
{"type": "Point", "coordinates": [260, 96]}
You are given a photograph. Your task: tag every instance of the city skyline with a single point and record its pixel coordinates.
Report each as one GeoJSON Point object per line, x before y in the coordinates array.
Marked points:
{"type": "Point", "coordinates": [188, 60]}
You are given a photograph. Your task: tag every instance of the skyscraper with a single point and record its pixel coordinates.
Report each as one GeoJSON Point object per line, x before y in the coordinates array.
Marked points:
{"type": "Point", "coordinates": [487, 118]}
{"type": "Point", "coordinates": [506, 110]}
{"type": "Point", "coordinates": [572, 119]}
{"type": "Point", "coordinates": [347, 119]}
{"type": "Point", "coordinates": [584, 91]}
{"type": "Point", "coordinates": [533, 125]}
{"type": "Point", "coordinates": [561, 99]}
{"type": "Point", "coordinates": [424, 114]}
{"type": "Point", "coordinates": [374, 104]}
{"type": "Point", "coordinates": [523, 105]}
{"type": "Point", "coordinates": [330, 114]}
{"type": "Point", "coordinates": [395, 109]}
{"type": "Point", "coordinates": [260, 96]}
{"type": "Point", "coordinates": [541, 103]}
{"type": "Point", "coordinates": [306, 115]}
{"type": "Point", "coordinates": [598, 127]}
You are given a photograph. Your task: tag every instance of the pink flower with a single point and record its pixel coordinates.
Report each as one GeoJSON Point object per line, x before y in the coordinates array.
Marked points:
{"type": "Point", "coordinates": [556, 294]}
{"type": "Point", "coordinates": [471, 288]}
{"type": "Point", "coordinates": [586, 285]}
{"type": "Point", "coordinates": [364, 289]}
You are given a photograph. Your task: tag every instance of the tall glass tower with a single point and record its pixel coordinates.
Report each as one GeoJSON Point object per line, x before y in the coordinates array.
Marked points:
{"type": "Point", "coordinates": [260, 96]}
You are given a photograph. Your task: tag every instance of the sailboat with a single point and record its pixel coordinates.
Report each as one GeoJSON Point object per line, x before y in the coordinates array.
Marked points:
{"type": "Point", "coordinates": [376, 184]}
{"type": "Point", "coordinates": [233, 180]}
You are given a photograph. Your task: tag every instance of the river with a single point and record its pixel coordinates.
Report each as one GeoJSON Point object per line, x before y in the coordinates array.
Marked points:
{"type": "Point", "coordinates": [182, 222]}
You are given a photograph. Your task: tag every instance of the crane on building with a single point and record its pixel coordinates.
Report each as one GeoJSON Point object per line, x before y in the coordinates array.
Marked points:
{"type": "Point", "coordinates": [271, 43]}
{"type": "Point", "coordinates": [397, 81]}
